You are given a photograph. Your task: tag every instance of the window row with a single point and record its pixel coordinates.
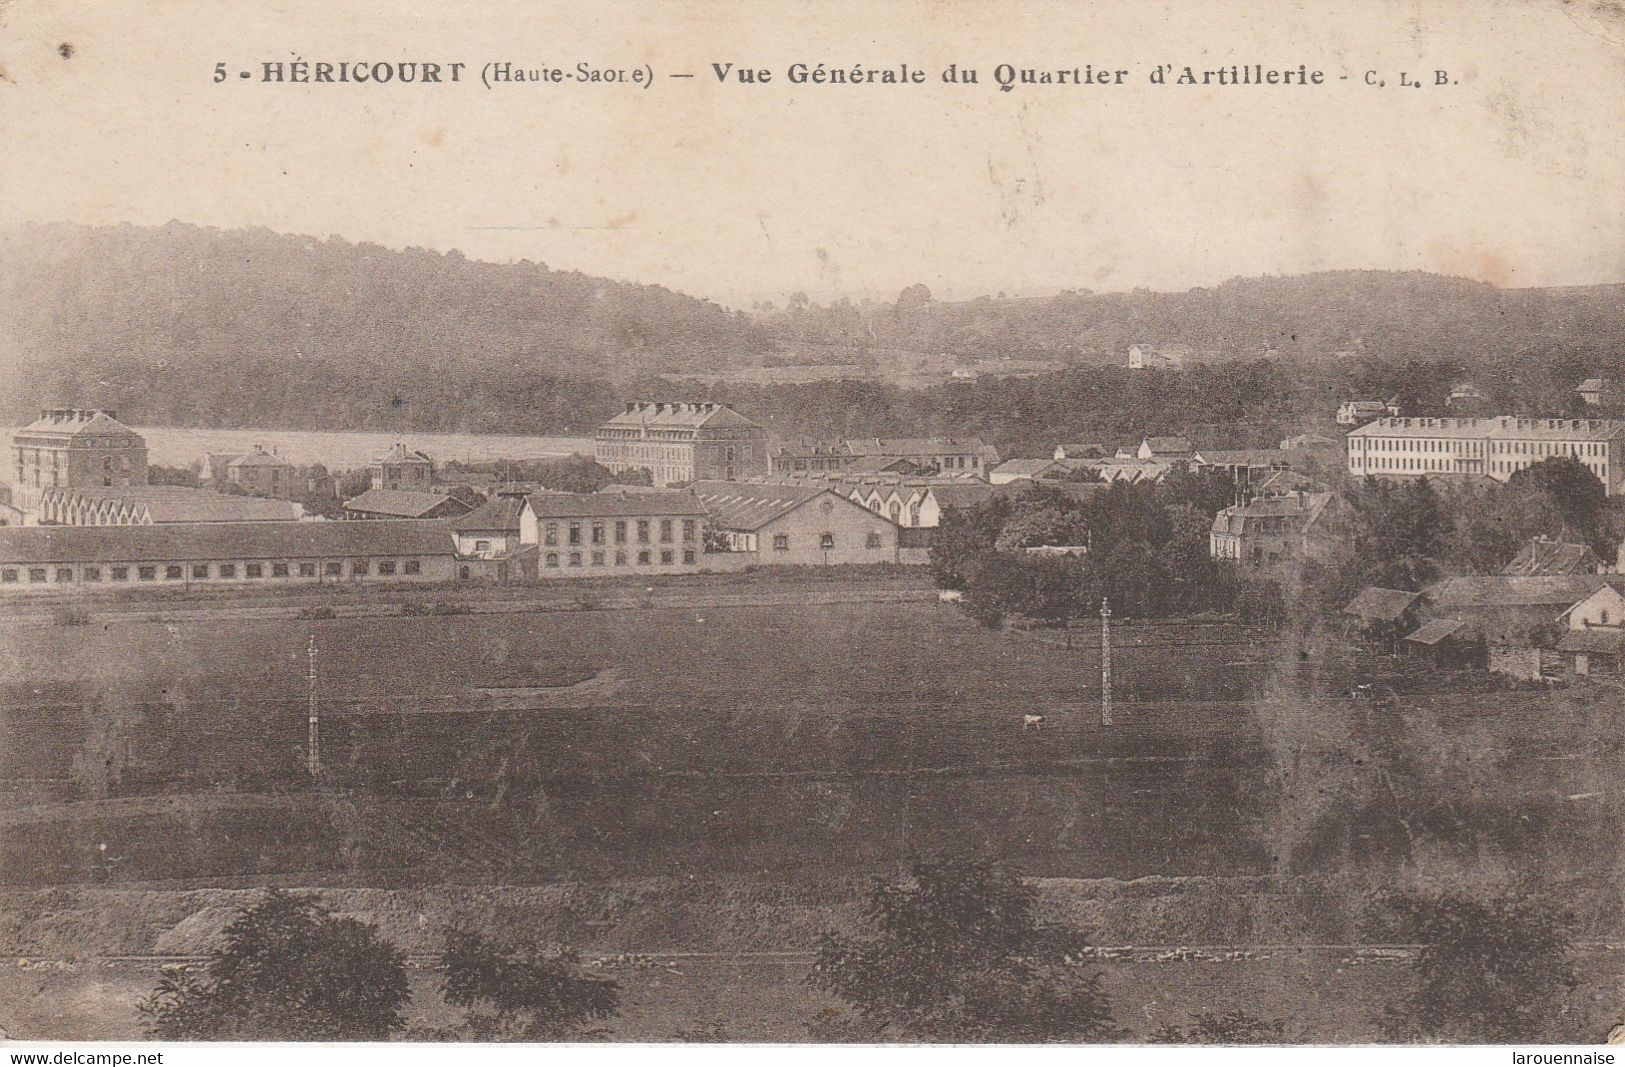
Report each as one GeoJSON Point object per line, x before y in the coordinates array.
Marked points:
{"type": "Point", "coordinates": [645, 558]}
{"type": "Point", "coordinates": [175, 572]}
{"type": "Point", "coordinates": [826, 541]}
{"type": "Point", "coordinates": [599, 531]}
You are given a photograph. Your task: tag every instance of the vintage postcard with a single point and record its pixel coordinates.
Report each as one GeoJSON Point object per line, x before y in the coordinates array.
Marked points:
{"type": "Point", "coordinates": [901, 522]}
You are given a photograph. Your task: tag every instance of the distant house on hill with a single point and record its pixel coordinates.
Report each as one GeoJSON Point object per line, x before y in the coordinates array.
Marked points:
{"type": "Point", "coordinates": [1596, 391]}
{"type": "Point", "coordinates": [1359, 412]}
{"type": "Point", "coordinates": [1171, 356]}
{"type": "Point", "coordinates": [403, 504]}
{"type": "Point", "coordinates": [1545, 556]}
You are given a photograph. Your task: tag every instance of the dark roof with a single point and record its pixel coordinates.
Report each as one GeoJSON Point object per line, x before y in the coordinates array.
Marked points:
{"type": "Point", "coordinates": [750, 506]}
{"type": "Point", "coordinates": [498, 513]}
{"type": "Point", "coordinates": [1240, 457]}
{"type": "Point", "coordinates": [966, 494]}
{"type": "Point", "coordinates": [1497, 590]}
{"type": "Point", "coordinates": [1541, 556]}
{"type": "Point", "coordinates": [1431, 633]}
{"type": "Point", "coordinates": [614, 505]}
{"type": "Point", "coordinates": [1382, 605]}
{"type": "Point", "coordinates": [1171, 444]}
{"type": "Point", "coordinates": [404, 503]}
{"type": "Point", "coordinates": [1608, 642]}
{"type": "Point", "coordinates": [221, 540]}
{"type": "Point", "coordinates": [913, 446]}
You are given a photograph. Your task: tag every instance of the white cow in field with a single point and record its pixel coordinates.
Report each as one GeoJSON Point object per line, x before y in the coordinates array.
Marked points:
{"type": "Point", "coordinates": [1032, 722]}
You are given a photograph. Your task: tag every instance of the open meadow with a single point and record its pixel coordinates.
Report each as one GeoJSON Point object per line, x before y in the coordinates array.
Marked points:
{"type": "Point", "coordinates": [725, 779]}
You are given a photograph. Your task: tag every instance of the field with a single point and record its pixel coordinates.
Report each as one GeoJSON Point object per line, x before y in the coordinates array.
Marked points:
{"type": "Point", "coordinates": [724, 779]}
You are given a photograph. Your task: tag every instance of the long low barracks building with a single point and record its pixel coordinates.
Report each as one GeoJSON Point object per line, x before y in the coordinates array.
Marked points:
{"type": "Point", "coordinates": [65, 559]}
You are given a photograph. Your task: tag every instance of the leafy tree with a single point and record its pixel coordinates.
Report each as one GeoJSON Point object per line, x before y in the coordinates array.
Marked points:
{"type": "Point", "coordinates": [1490, 971]}
{"type": "Point", "coordinates": [998, 588]}
{"type": "Point", "coordinates": [288, 970]}
{"type": "Point", "coordinates": [521, 993]}
{"type": "Point", "coordinates": [1223, 1028]}
{"type": "Point", "coordinates": [189, 476]}
{"type": "Point", "coordinates": [957, 953]}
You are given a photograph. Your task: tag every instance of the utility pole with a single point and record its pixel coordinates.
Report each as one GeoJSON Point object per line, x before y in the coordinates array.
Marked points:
{"type": "Point", "coordinates": [1105, 663]}
{"type": "Point", "coordinates": [313, 754]}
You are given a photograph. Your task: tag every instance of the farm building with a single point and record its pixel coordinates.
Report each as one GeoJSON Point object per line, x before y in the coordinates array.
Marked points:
{"type": "Point", "coordinates": [795, 524]}
{"type": "Point", "coordinates": [403, 504]}
{"type": "Point", "coordinates": [1545, 556]}
{"type": "Point", "coordinates": [82, 559]}
{"type": "Point", "coordinates": [146, 505]}
{"type": "Point", "coordinates": [577, 535]}
{"type": "Point", "coordinates": [1382, 616]}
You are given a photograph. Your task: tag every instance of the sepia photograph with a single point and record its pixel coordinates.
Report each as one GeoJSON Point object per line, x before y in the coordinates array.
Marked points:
{"type": "Point", "coordinates": [914, 523]}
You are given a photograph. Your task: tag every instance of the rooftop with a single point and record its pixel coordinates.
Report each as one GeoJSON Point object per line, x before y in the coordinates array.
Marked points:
{"type": "Point", "coordinates": [223, 540]}
{"type": "Point", "coordinates": [1381, 605]}
{"type": "Point", "coordinates": [750, 506]}
{"type": "Point", "coordinates": [1499, 427]}
{"type": "Point", "coordinates": [1541, 556]}
{"type": "Point", "coordinates": [401, 454]}
{"type": "Point", "coordinates": [403, 503]}
{"type": "Point", "coordinates": [501, 512]}
{"type": "Point", "coordinates": [914, 446]}
{"type": "Point", "coordinates": [660, 414]}
{"type": "Point", "coordinates": [604, 505]}
{"type": "Point", "coordinates": [74, 422]}
{"type": "Point", "coordinates": [180, 503]}
{"type": "Point", "coordinates": [1499, 590]}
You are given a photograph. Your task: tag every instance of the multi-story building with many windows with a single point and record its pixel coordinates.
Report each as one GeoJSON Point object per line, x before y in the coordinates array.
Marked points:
{"type": "Point", "coordinates": [682, 442]}
{"type": "Point", "coordinates": [75, 448]}
{"type": "Point", "coordinates": [597, 534]}
{"type": "Point", "coordinates": [1494, 447]}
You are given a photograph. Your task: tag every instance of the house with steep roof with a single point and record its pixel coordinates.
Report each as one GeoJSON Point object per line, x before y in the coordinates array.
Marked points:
{"type": "Point", "coordinates": [795, 524]}
{"type": "Point", "coordinates": [402, 468]}
{"type": "Point", "coordinates": [404, 504]}
{"type": "Point", "coordinates": [1273, 531]}
{"type": "Point", "coordinates": [261, 473]}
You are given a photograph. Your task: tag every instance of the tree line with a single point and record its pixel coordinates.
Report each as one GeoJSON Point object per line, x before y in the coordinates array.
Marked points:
{"type": "Point", "coordinates": [956, 950]}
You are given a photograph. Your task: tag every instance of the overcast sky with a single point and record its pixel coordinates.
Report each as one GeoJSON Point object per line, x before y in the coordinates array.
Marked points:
{"type": "Point", "coordinates": [1515, 175]}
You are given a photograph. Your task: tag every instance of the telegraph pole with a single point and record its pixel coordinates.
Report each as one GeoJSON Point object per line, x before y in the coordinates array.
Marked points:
{"type": "Point", "coordinates": [1105, 662]}
{"type": "Point", "coordinates": [313, 753]}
